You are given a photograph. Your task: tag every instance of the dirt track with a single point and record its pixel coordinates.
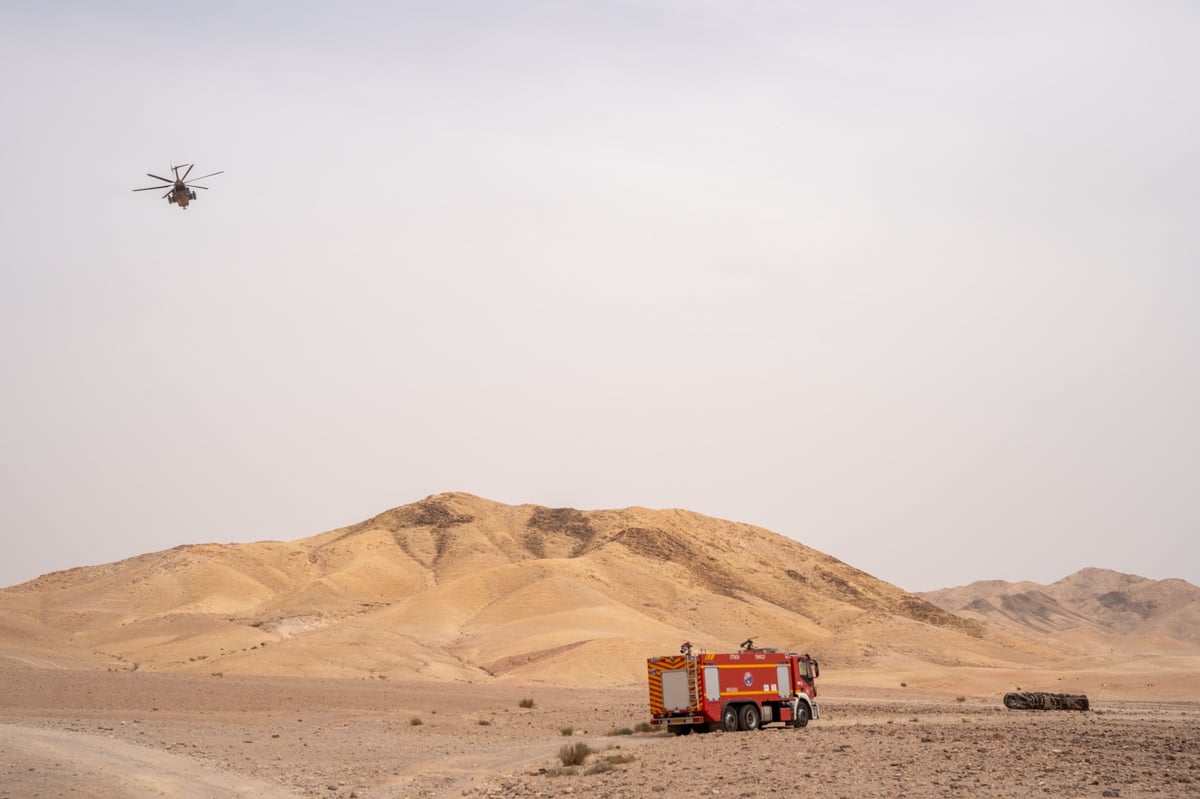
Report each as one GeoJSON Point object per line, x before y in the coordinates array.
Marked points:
{"type": "Point", "coordinates": [45, 762]}
{"type": "Point", "coordinates": [148, 735]}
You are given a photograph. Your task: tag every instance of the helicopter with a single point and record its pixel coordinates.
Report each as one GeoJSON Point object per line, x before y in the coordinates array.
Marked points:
{"type": "Point", "coordinates": [179, 190]}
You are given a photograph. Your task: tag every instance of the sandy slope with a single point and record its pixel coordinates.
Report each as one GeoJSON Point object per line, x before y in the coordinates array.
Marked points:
{"type": "Point", "coordinates": [456, 587]}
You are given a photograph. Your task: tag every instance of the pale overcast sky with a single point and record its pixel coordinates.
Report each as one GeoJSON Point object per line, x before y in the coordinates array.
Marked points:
{"type": "Point", "coordinates": [916, 284]}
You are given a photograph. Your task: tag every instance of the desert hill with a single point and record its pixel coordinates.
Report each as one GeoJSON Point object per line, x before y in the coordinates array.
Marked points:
{"type": "Point", "coordinates": [456, 587]}
{"type": "Point", "coordinates": [1124, 611]}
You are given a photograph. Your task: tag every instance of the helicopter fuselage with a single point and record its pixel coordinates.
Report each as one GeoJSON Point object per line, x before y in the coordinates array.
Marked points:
{"type": "Point", "coordinates": [180, 195]}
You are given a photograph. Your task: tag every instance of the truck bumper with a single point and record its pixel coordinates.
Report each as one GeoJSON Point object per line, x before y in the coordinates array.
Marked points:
{"type": "Point", "coordinates": [672, 721]}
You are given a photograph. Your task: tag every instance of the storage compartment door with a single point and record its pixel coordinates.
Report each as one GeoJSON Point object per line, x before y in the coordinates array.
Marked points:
{"type": "Point", "coordinates": [784, 675]}
{"type": "Point", "coordinates": [675, 690]}
{"type": "Point", "coordinates": [712, 684]}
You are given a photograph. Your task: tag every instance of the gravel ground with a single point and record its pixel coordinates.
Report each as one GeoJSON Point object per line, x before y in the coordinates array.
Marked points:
{"type": "Point", "coordinates": [66, 733]}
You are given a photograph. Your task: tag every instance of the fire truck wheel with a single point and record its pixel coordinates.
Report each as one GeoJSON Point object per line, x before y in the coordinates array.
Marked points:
{"type": "Point", "coordinates": [801, 717]}
{"type": "Point", "coordinates": [729, 718]}
{"type": "Point", "coordinates": [751, 717]}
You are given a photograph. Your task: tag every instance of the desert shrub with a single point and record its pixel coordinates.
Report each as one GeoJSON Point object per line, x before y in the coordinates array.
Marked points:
{"type": "Point", "coordinates": [599, 767]}
{"type": "Point", "coordinates": [903, 685]}
{"type": "Point", "coordinates": [623, 757]}
{"type": "Point", "coordinates": [960, 699]}
{"type": "Point", "coordinates": [415, 721]}
{"type": "Point", "coordinates": [621, 731]}
{"type": "Point", "coordinates": [643, 726]}
{"type": "Point", "coordinates": [574, 754]}
{"type": "Point", "coordinates": [566, 732]}
{"type": "Point", "coordinates": [525, 703]}
{"type": "Point", "coordinates": [483, 723]}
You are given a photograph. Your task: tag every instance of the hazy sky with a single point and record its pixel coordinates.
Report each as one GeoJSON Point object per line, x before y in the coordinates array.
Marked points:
{"type": "Point", "coordinates": [916, 284]}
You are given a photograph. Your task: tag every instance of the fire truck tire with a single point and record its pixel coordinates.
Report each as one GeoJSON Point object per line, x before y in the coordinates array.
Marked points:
{"type": "Point", "coordinates": [801, 719]}
{"type": "Point", "coordinates": [729, 718]}
{"type": "Point", "coordinates": [751, 717]}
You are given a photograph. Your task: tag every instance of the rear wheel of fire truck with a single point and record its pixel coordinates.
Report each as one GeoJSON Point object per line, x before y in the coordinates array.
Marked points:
{"type": "Point", "coordinates": [751, 717]}
{"type": "Point", "coordinates": [729, 718]}
{"type": "Point", "coordinates": [801, 719]}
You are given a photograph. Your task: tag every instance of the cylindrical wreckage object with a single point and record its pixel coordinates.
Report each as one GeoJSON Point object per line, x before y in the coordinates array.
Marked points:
{"type": "Point", "coordinates": [1037, 700]}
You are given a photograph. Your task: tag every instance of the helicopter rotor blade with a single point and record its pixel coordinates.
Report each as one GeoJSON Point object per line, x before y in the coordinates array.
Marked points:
{"type": "Point", "coordinates": [194, 186]}
{"type": "Point", "coordinates": [149, 188]}
{"type": "Point", "coordinates": [165, 180]}
{"type": "Point", "coordinates": [189, 171]}
{"type": "Point", "coordinates": [209, 175]}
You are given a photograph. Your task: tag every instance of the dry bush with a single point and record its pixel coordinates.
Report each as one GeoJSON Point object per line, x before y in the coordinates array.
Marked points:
{"type": "Point", "coordinates": [574, 754]}
{"type": "Point", "coordinates": [525, 703]}
{"type": "Point", "coordinates": [624, 757]}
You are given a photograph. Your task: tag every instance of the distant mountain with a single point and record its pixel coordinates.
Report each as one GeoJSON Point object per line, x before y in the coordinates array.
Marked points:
{"type": "Point", "coordinates": [1095, 600]}
{"type": "Point", "coordinates": [461, 588]}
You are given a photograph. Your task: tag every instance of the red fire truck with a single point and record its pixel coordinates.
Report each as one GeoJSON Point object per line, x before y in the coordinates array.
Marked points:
{"type": "Point", "coordinates": [743, 690]}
